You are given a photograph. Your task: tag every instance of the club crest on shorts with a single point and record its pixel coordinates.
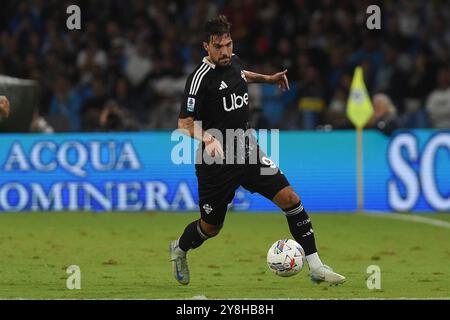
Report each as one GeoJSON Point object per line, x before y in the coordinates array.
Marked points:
{"type": "Point", "coordinates": [207, 208]}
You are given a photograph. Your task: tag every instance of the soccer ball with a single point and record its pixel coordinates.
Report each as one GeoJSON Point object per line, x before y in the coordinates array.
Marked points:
{"type": "Point", "coordinates": [285, 258]}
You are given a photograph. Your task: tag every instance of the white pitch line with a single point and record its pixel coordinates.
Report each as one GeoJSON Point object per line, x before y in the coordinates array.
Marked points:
{"type": "Point", "coordinates": [405, 217]}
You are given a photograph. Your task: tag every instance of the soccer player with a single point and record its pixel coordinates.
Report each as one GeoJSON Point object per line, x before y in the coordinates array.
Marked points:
{"type": "Point", "coordinates": [216, 94]}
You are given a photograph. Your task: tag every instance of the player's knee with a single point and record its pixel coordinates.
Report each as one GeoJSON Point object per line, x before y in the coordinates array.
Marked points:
{"type": "Point", "coordinates": [287, 198]}
{"type": "Point", "coordinates": [213, 232]}
{"type": "Point", "coordinates": [210, 230]}
{"type": "Point", "coordinates": [292, 198]}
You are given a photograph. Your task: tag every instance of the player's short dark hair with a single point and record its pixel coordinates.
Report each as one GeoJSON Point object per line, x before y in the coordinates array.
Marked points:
{"type": "Point", "coordinates": [217, 26]}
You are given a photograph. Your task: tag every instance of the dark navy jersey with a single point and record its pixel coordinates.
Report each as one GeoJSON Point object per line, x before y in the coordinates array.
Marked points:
{"type": "Point", "coordinates": [217, 96]}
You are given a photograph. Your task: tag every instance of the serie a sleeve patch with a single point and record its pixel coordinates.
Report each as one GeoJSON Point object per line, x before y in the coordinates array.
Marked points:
{"type": "Point", "coordinates": [191, 104]}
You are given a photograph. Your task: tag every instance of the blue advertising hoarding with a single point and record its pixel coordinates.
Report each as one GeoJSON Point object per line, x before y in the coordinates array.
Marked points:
{"type": "Point", "coordinates": [135, 172]}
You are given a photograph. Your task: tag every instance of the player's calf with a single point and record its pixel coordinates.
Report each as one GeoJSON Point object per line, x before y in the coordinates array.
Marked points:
{"type": "Point", "coordinates": [193, 236]}
{"type": "Point", "coordinates": [196, 233]}
{"type": "Point", "coordinates": [299, 224]}
{"type": "Point", "coordinates": [301, 227]}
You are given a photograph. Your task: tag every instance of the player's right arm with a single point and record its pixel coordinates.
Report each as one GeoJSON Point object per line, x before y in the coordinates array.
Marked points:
{"type": "Point", "coordinates": [212, 145]}
{"type": "Point", "coordinates": [4, 106]}
{"type": "Point", "coordinates": [192, 102]}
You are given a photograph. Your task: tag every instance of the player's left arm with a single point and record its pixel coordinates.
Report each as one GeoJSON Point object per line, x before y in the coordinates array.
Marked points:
{"type": "Point", "coordinates": [278, 78]}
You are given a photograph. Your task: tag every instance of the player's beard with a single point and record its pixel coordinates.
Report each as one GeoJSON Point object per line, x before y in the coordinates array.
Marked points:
{"type": "Point", "coordinates": [224, 61]}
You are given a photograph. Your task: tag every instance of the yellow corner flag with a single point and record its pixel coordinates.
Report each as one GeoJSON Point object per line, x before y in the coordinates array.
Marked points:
{"type": "Point", "coordinates": [359, 104]}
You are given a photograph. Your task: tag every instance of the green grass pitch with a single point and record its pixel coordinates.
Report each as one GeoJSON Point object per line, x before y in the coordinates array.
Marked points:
{"type": "Point", "coordinates": [125, 256]}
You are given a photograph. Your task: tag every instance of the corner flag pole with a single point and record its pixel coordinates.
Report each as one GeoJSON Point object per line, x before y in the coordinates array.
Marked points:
{"type": "Point", "coordinates": [359, 111]}
{"type": "Point", "coordinates": [359, 170]}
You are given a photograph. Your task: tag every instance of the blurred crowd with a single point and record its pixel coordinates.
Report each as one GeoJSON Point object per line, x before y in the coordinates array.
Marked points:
{"type": "Point", "coordinates": [126, 68]}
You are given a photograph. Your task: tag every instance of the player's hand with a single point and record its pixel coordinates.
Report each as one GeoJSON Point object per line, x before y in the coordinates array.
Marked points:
{"type": "Point", "coordinates": [281, 79]}
{"type": "Point", "coordinates": [4, 106]}
{"type": "Point", "coordinates": [213, 147]}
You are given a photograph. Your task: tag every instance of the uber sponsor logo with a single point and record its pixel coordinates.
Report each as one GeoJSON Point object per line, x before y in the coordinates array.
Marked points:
{"type": "Point", "coordinates": [236, 102]}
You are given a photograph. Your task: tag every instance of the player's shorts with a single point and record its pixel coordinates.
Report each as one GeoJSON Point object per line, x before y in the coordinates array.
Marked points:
{"type": "Point", "coordinates": [217, 185]}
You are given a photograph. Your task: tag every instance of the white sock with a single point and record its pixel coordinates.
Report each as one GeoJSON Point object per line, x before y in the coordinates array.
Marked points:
{"type": "Point", "coordinates": [313, 261]}
{"type": "Point", "coordinates": [180, 251]}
